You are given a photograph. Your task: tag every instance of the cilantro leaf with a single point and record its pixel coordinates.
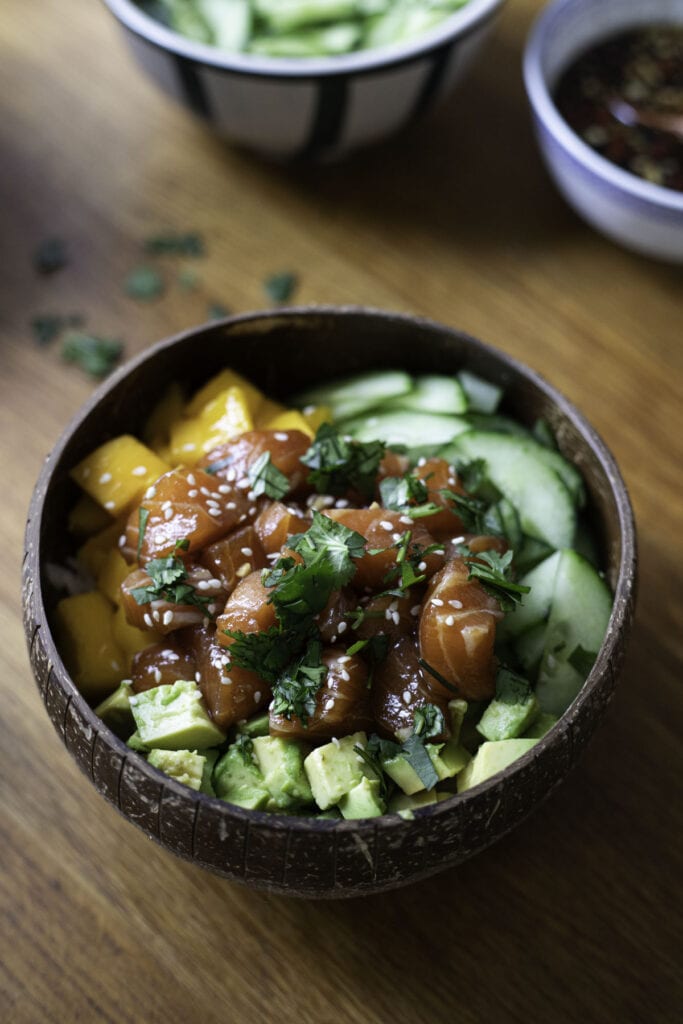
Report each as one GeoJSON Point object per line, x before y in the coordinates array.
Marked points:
{"type": "Point", "coordinates": [296, 689]}
{"type": "Point", "coordinates": [430, 670]}
{"type": "Point", "coordinates": [399, 491]}
{"type": "Point", "coordinates": [50, 255]}
{"type": "Point", "coordinates": [331, 543]}
{"type": "Point", "coordinates": [470, 511]}
{"type": "Point", "coordinates": [245, 748]}
{"type": "Point", "coordinates": [582, 660]}
{"type": "Point", "coordinates": [217, 311]}
{"type": "Point", "coordinates": [144, 283]}
{"type": "Point", "coordinates": [419, 760]}
{"type": "Point", "coordinates": [543, 433]}
{"type": "Point", "coordinates": [338, 465]}
{"type": "Point", "coordinates": [169, 583]}
{"type": "Point", "coordinates": [97, 356]}
{"type": "Point", "coordinates": [265, 478]}
{"type": "Point", "coordinates": [266, 653]}
{"type": "Point", "coordinates": [374, 648]}
{"type": "Point", "coordinates": [46, 327]}
{"type": "Point", "coordinates": [143, 516]}
{"type": "Point", "coordinates": [493, 572]}
{"type": "Point", "coordinates": [175, 243]}
{"type": "Point", "coordinates": [429, 721]}
{"type": "Point", "coordinates": [511, 688]}
{"type": "Point", "coordinates": [281, 286]}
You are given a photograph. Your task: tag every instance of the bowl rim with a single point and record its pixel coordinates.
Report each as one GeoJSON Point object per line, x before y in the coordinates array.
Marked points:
{"type": "Point", "coordinates": [545, 109]}
{"type": "Point", "coordinates": [624, 590]}
{"type": "Point", "coordinates": [459, 24]}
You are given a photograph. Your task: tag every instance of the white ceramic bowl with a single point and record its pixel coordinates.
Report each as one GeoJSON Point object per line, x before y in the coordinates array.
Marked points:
{"type": "Point", "coordinates": [645, 217]}
{"type": "Point", "coordinates": [319, 108]}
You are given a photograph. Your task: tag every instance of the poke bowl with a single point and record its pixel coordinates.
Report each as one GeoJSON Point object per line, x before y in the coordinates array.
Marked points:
{"type": "Point", "coordinates": [365, 840]}
{"type": "Point", "coordinates": [311, 107]}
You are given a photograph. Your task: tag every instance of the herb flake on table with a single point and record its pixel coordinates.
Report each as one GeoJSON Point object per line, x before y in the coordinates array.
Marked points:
{"type": "Point", "coordinates": [96, 355]}
{"type": "Point", "coordinates": [175, 243]}
{"type": "Point", "coordinates": [50, 255]}
{"type": "Point", "coordinates": [144, 283]}
{"type": "Point", "coordinates": [217, 311]}
{"type": "Point", "coordinates": [281, 286]}
{"type": "Point", "coordinates": [47, 327]}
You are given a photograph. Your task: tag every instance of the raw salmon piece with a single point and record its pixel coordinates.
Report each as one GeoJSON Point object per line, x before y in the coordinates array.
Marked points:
{"type": "Point", "coordinates": [399, 687]}
{"type": "Point", "coordinates": [231, 693]}
{"type": "Point", "coordinates": [162, 664]}
{"type": "Point", "coordinates": [342, 704]}
{"type": "Point", "coordinates": [233, 460]}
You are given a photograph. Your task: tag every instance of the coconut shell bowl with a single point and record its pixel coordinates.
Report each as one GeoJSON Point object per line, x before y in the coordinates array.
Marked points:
{"type": "Point", "coordinates": [283, 352]}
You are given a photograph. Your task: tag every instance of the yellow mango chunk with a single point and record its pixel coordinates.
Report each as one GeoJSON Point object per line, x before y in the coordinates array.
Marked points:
{"type": "Point", "coordinates": [92, 656]}
{"type": "Point", "coordinates": [111, 575]}
{"type": "Point", "coordinates": [165, 413]}
{"type": "Point", "coordinates": [315, 415]}
{"type": "Point", "coordinates": [93, 554]}
{"type": "Point", "coordinates": [220, 383]}
{"type": "Point", "coordinates": [223, 418]}
{"type": "Point", "coordinates": [130, 639]}
{"type": "Point", "coordinates": [268, 409]}
{"type": "Point", "coordinates": [290, 420]}
{"type": "Point", "coordinates": [87, 517]}
{"type": "Point", "coordinates": [118, 473]}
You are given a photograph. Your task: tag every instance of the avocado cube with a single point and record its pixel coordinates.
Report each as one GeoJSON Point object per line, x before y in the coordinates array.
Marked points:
{"type": "Point", "coordinates": [238, 780]}
{"type": "Point", "coordinates": [135, 743]}
{"type": "Point", "coordinates": [409, 802]}
{"type": "Point", "coordinates": [403, 774]}
{"type": "Point", "coordinates": [457, 709]}
{"type": "Point", "coordinates": [210, 758]}
{"type": "Point", "coordinates": [282, 765]}
{"type": "Point", "coordinates": [541, 725]}
{"type": "Point", "coordinates": [363, 801]}
{"type": "Point", "coordinates": [116, 712]}
{"type": "Point", "coordinates": [174, 717]}
{"type": "Point", "coordinates": [335, 768]}
{"type": "Point", "coordinates": [259, 725]}
{"type": "Point", "coordinates": [184, 766]}
{"type": "Point", "coordinates": [448, 758]}
{"type": "Point", "coordinates": [503, 720]}
{"type": "Point", "coordinates": [490, 759]}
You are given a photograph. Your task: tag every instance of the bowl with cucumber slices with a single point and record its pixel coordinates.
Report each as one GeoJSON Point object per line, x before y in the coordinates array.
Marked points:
{"type": "Point", "coordinates": [332, 607]}
{"type": "Point", "coordinates": [305, 79]}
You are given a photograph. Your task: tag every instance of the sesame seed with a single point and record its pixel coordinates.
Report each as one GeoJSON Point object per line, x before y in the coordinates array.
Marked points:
{"type": "Point", "coordinates": [212, 609]}
{"type": "Point", "coordinates": [281, 436]}
{"type": "Point", "coordinates": [243, 570]}
{"type": "Point", "coordinates": [244, 484]}
{"type": "Point", "coordinates": [205, 491]}
{"type": "Point", "coordinates": [386, 525]}
{"type": "Point", "coordinates": [231, 505]}
{"type": "Point", "coordinates": [147, 619]}
{"type": "Point", "coordinates": [191, 479]}
{"type": "Point", "coordinates": [139, 471]}
{"type": "Point", "coordinates": [198, 677]}
{"type": "Point", "coordinates": [422, 566]}
{"type": "Point", "coordinates": [335, 741]}
{"type": "Point", "coordinates": [422, 461]}
{"type": "Point", "coordinates": [105, 478]}
{"type": "Point", "coordinates": [166, 504]}
{"type": "Point", "coordinates": [122, 540]}
{"type": "Point", "coordinates": [226, 680]}
{"type": "Point", "coordinates": [253, 510]}
{"type": "Point", "coordinates": [406, 520]}
{"type": "Point", "coordinates": [455, 604]}
{"type": "Point", "coordinates": [224, 489]}
{"type": "Point", "coordinates": [407, 696]}
{"type": "Point", "coordinates": [156, 615]}
{"type": "Point", "coordinates": [168, 514]}
{"type": "Point", "coordinates": [110, 505]}
{"type": "Point", "coordinates": [415, 610]}
{"type": "Point", "coordinates": [396, 618]}
{"type": "Point", "coordinates": [150, 492]}
{"type": "Point", "coordinates": [341, 503]}
{"type": "Point", "coordinates": [247, 552]}
{"type": "Point", "coordinates": [193, 493]}
{"type": "Point", "coordinates": [157, 674]}
{"type": "Point", "coordinates": [257, 697]}
{"type": "Point", "coordinates": [343, 659]}
{"type": "Point", "coordinates": [329, 704]}
{"type": "Point", "coordinates": [342, 627]}
{"type": "Point", "coordinates": [458, 540]}
{"type": "Point", "coordinates": [214, 511]}
{"type": "Point", "coordinates": [216, 495]}
{"type": "Point", "coordinates": [397, 537]}
{"type": "Point", "coordinates": [450, 620]}
{"type": "Point", "coordinates": [189, 447]}
{"type": "Point", "coordinates": [437, 601]}
{"type": "Point", "coordinates": [212, 503]}
{"type": "Point", "coordinates": [333, 639]}
{"type": "Point", "coordinates": [202, 585]}
{"type": "Point", "coordinates": [345, 675]}
{"type": "Point", "coordinates": [168, 617]}
{"type": "Point", "coordinates": [252, 495]}
{"type": "Point", "coordinates": [231, 475]}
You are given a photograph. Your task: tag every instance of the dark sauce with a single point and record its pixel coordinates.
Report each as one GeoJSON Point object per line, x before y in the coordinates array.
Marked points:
{"type": "Point", "coordinates": [645, 67]}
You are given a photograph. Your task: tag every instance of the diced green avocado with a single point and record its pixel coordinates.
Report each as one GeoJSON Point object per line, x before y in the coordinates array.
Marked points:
{"type": "Point", "coordinates": [448, 759]}
{"type": "Point", "coordinates": [135, 743]}
{"type": "Point", "coordinates": [363, 801]}
{"type": "Point", "coordinates": [503, 720]}
{"type": "Point", "coordinates": [408, 802]}
{"type": "Point", "coordinates": [238, 780]}
{"type": "Point", "coordinates": [403, 774]}
{"type": "Point", "coordinates": [259, 725]}
{"type": "Point", "coordinates": [210, 758]}
{"type": "Point", "coordinates": [541, 725]}
{"type": "Point", "coordinates": [282, 765]}
{"type": "Point", "coordinates": [335, 768]}
{"type": "Point", "coordinates": [184, 766]}
{"type": "Point", "coordinates": [173, 717]}
{"type": "Point", "coordinates": [115, 711]}
{"type": "Point", "coordinates": [490, 759]}
{"type": "Point", "coordinates": [334, 814]}
{"type": "Point", "coordinates": [457, 709]}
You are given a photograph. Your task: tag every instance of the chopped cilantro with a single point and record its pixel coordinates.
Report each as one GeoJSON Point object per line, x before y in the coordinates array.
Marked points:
{"type": "Point", "coordinates": [144, 283]}
{"type": "Point", "coordinates": [46, 327]}
{"type": "Point", "coordinates": [338, 465]}
{"type": "Point", "coordinates": [418, 758]}
{"type": "Point", "coordinates": [97, 356]}
{"type": "Point", "coordinates": [470, 511]}
{"type": "Point", "coordinates": [50, 255]}
{"type": "Point", "coordinates": [175, 243]}
{"type": "Point", "coordinates": [493, 572]}
{"type": "Point", "coordinates": [143, 516]}
{"type": "Point", "coordinates": [217, 311]}
{"type": "Point", "coordinates": [266, 653]}
{"type": "Point", "coordinates": [214, 467]}
{"type": "Point", "coordinates": [295, 690]}
{"type": "Point", "coordinates": [245, 748]}
{"type": "Point", "coordinates": [169, 583]}
{"type": "Point", "coordinates": [188, 279]}
{"type": "Point", "coordinates": [265, 478]}
{"type": "Point", "coordinates": [473, 476]}
{"type": "Point", "coordinates": [430, 670]}
{"type": "Point", "coordinates": [374, 648]}
{"type": "Point", "coordinates": [542, 432]}
{"type": "Point", "coordinates": [281, 286]}
{"type": "Point", "coordinates": [511, 688]}
{"type": "Point", "coordinates": [429, 721]}
{"type": "Point", "coordinates": [582, 660]}
{"type": "Point", "coordinates": [398, 492]}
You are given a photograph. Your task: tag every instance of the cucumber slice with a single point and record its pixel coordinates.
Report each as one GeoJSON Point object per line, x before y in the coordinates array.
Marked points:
{"type": "Point", "coordinates": [482, 395]}
{"type": "Point", "coordinates": [545, 507]}
{"type": "Point", "coordinates": [405, 427]}
{"type": "Point", "coordinates": [289, 15]}
{"type": "Point", "coordinates": [579, 615]}
{"type": "Point", "coordinates": [529, 649]}
{"type": "Point", "coordinates": [230, 22]}
{"type": "Point", "coordinates": [355, 395]}
{"type": "Point", "coordinates": [568, 474]}
{"type": "Point", "coordinates": [536, 604]}
{"type": "Point", "coordinates": [530, 552]}
{"type": "Point", "coordinates": [433, 393]}
{"type": "Point", "coordinates": [497, 424]}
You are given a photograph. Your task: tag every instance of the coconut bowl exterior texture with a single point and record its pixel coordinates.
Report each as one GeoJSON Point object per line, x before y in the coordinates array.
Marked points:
{"type": "Point", "coordinates": [284, 351]}
{"type": "Point", "coordinates": [314, 108]}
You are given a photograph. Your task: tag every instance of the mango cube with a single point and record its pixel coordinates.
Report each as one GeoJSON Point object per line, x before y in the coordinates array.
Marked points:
{"type": "Point", "coordinates": [111, 575]}
{"type": "Point", "coordinates": [315, 415]}
{"type": "Point", "coordinates": [220, 383]}
{"type": "Point", "coordinates": [118, 473]}
{"type": "Point", "coordinates": [93, 554]}
{"type": "Point", "coordinates": [91, 654]}
{"type": "Point", "coordinates": [290, 420]}
{"type": "Point", "coordinates": [87, 517]}
{"type": "Point", "coordinates": [129, 638]}
{"type": "Point", "coordinates": [165, 413]}
{"type": "Point", "coordinates": [267, 410]}
{"type": "Point", "coordinates": [224, 417]}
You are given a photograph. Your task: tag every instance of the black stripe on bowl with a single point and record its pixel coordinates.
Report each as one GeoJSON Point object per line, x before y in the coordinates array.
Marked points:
{"type": "Point", "coordinates": [440, 61]}
{"type": "Point", "coordinates": [192, 88]}
{"type": "Point", "coordinates": [327, 128]}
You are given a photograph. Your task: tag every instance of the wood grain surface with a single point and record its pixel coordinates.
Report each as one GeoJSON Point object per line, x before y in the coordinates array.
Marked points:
{"type": "Point", "coordinates": [574, 917]}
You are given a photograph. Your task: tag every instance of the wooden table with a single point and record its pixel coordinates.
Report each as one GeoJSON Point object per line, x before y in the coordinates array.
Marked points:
{"type": "Point", "coordinates": [573, 917]}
